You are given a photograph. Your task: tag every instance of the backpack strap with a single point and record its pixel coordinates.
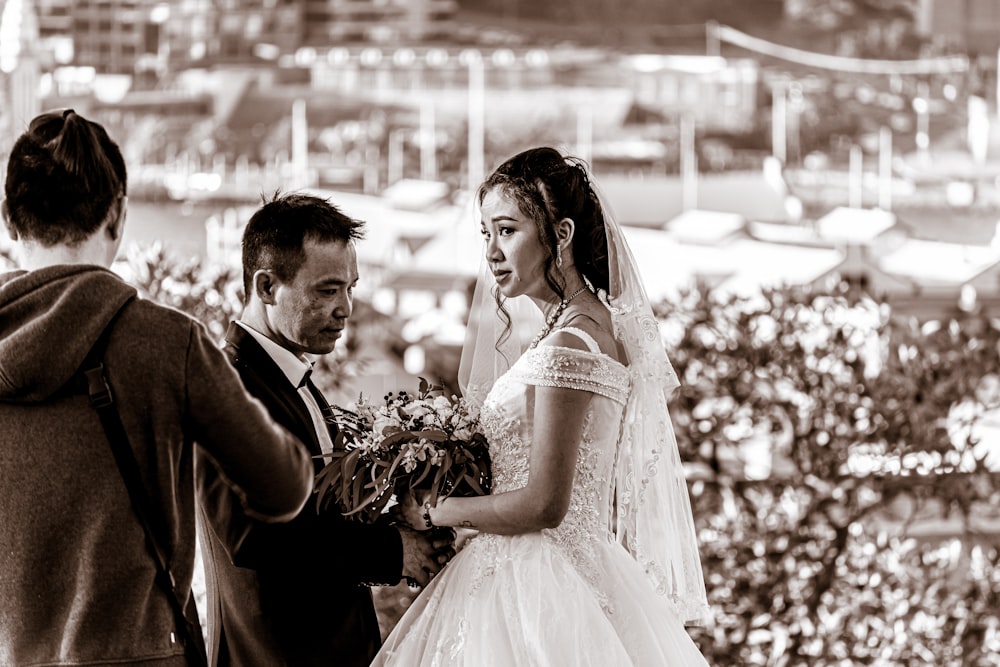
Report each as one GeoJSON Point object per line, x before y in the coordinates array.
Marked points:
{"type": "Point", "coordinates": [153, 524]}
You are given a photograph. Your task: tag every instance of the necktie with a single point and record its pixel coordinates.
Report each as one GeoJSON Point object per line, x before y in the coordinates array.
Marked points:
{"type": "Point", "coordinates": [317, 406]}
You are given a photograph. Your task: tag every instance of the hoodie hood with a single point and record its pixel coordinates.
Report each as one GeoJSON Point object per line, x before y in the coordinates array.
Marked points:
{"type": "Point", "coordinates": [49, 321]}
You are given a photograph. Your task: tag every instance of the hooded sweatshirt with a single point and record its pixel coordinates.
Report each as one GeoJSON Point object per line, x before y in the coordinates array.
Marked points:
{"type": "Point", "coordinates": [76, 580]}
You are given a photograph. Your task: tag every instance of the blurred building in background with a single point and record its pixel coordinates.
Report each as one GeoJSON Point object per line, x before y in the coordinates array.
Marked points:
{"type": "Point", "coordinates": [117, 37]}
{"type": "Point", "coordinates": [20, 66]}
{"type": "Point", "coordinates": [215, 101]}
{"type": "Point", "coordinates": [112, 36]}
{"type": "Point", "coordinates": [128, 36]}
{"type": "Point", "coordinates": [968, 24]}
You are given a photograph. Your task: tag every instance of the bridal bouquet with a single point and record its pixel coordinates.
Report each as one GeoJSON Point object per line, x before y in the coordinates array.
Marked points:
{"type": "Point", "coordinates": [423, 441]}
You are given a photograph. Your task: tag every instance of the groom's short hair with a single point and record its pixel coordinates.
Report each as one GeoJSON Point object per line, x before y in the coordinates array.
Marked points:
{"type": "Point", "coordinates": [277, 231]}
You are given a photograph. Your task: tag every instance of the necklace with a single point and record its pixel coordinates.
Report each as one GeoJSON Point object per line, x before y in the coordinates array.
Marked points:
{"type": "Point", "coordinates": [551, 320]}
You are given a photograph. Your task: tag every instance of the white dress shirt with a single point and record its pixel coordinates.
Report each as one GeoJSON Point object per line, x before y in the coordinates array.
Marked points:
{"type": "Point", "coordinates": [295, 369]}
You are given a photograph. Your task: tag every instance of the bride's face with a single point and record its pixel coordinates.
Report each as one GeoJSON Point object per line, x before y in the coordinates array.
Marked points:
{"type": "Point", "coordinates": [515, 253]}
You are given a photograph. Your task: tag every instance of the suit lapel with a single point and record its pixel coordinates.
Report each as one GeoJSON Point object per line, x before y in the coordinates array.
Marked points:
{"type": "Point", "coordinates": [265, 380]}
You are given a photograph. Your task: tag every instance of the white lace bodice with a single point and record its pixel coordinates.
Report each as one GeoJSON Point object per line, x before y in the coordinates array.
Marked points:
{"type": "Point", "coordinates": [507, 418]}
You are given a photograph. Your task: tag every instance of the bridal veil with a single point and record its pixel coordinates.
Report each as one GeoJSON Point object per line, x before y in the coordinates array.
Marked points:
{"type": "Point", "coordinates": [652, 509]}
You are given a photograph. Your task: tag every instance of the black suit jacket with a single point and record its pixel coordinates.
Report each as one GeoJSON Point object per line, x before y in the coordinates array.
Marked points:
{"type": "Point", "coordinates": [294, 593]}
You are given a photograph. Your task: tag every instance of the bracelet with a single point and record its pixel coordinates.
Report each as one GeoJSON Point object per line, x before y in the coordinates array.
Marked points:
{"type": "Point", "coordinates": [427, 515]}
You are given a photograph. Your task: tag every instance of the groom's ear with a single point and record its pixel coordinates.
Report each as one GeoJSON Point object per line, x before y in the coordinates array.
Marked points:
{"type": "Point", "coordinates": [265, 284]}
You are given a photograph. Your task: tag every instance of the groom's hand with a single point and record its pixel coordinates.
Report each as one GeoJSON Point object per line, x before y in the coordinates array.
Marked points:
{"type": "Point", "coordinates": [422, 554]}
{"type": "Point", "coordinates": [443, 541]}
{"type": "Point", "coordinates": [409, 510]}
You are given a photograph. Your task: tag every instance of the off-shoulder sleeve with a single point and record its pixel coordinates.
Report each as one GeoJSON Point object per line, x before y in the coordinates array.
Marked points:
{"type": "Point", "coordinates": [568, 368]}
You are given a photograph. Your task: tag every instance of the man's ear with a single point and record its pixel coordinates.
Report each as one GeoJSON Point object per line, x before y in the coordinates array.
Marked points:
{"type": "Point", "coordinates": [6, 220]}
{"type": "Point", "coordinates": [264, 285]}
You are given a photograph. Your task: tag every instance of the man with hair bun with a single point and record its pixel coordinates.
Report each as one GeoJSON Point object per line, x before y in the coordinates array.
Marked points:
{"type": "Point", "coordinates": [79, 583]}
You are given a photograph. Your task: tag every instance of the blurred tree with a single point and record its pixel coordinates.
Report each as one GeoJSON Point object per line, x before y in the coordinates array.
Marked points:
{"type": "Point", "coordinates": [811, 558]}
{"type": "Point", "coordinates": [212, 295]}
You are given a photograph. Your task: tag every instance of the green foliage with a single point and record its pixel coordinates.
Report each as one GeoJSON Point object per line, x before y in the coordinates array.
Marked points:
{"type": "Point", "coordinates": [812, 563]}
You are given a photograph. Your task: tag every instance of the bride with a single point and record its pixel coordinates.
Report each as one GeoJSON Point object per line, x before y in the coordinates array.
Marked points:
{"type": "Point", "coordinates": [586, 552]}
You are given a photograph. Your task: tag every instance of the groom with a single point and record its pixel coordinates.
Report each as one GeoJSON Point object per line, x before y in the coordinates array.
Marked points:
{"type": "Point", "coordinates": [297, 593]}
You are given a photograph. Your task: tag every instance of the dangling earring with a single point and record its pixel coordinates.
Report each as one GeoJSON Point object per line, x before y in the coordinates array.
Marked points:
{"type": "Point", "coordinates": [559, 260]}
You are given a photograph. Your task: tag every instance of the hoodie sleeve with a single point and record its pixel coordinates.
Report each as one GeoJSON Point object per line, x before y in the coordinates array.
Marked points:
{"type": "Point", "coordinates": [267, 467]}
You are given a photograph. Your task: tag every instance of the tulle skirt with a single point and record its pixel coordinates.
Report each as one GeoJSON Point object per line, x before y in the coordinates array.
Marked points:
{"type": "Point", "coordinates": [524, 600]}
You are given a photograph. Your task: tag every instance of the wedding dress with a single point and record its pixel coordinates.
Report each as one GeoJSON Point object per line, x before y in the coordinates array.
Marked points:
{"type": "Point", "coordinates": [570, 595]}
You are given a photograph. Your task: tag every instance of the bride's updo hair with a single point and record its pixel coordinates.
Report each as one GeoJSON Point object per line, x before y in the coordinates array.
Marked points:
{"type": "Point", "coordinates": [65, 177]}
{"type": "Point", "coordinates": [547, 187]}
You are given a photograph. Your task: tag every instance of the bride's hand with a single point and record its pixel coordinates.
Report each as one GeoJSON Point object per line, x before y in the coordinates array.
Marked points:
{"type": "Point", "coordinates": [409, 509]}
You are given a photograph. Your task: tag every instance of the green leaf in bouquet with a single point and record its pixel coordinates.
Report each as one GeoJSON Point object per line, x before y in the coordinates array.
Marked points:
{"type": "Point", "coordinates": [397, 437]}
{"type": "Point", "coordinates": [443, 468]}
{"type": "Point", "coordinates": [344, 417]}
{"type": "Point", "coordinates": [383, 482]}
{"type": "Point", "coordinates": [376, 506]}
{"type": "Point", "coordinates": [364, 504]}
{"type": "Point", "coordinates": [425, 470]}
{"type": "Point", "coordinates": [474, 484]}
{"type": "Point", "coordinates": [395, 464]}
{"type": "Point", "coordinates": [348, 467]}
{"type": "Point", "coordinates": [349, 458]}
{"type": "Point", "coordinates": [328, 478]}
{"type": "Point", "coordinates": [358, 490]}
{"type": "Point", "coordinates": [324, 482]}
{"type": "Point", "coordinates": [368, 475]}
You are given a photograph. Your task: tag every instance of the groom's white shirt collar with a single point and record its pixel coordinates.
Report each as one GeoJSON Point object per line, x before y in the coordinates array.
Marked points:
{"type": "Point", "coordinates": [295, 368]}
{"type": "Point", "coordinates": [292, 365]}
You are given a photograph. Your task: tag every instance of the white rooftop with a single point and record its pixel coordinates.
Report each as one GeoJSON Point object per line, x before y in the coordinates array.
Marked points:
{"type": "Point", "coordinates": [778, 232]}
{"type": "Point", "coordinates": [745, 265]}
{"type": "Point", "coordinates": [854, 225]}
{"type": "Point", "coordinates": [696, 226]}
{"type": "Point", "coordinates": [455, 250]}
{"type": "Point", "coordinates": [651, 201]}
{"type": "Point", "coordinates": [939, 262]}
{"type": "Point", "coordinates": [414, 194]}
{"type": "Point", "coordinates": [666, 265]}
{"type": "Point", "coordinates": [388, 227]}
{"type": "Point", "coordinates": [759, 264]}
